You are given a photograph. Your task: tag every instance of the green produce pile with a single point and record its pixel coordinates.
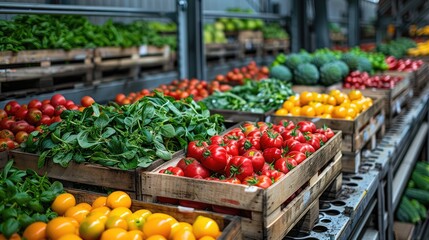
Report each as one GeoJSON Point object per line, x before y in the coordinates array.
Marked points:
{"type": "Point", "coordinates": [253, 96]}
{"type": "Point", "coordinates": [413, 205]}
{"type": "Point", "coordinates": [236, 24]}
{"type": "Point", "coordinates": [127, 136]}
{"type": "Point", "coordinates": [274, 31]}
{"type": "Point", "coordinates": [323, 67]}
{"type": "Point", "coordinates": [377, 59]}
{"type": "Point", "coordinates": [32, 32]}
{"type": "Point", "coordinates": [213, 33]}
{"type": "Point", "coordinates": [25, 198]}
{"type": "Point", "coordinates": [397, 48]}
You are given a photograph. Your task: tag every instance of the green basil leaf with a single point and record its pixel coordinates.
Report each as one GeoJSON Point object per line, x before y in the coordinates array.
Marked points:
{"type": "Point", "coordinates": [10, 226]}
{"type": "Point", "coordinates": [48, 144]}
{"type": "Point", "coordinates": [9, 213]}
{"type": "Point", "coordinates": [96, 110]}
{"type": "Point", "coordinates": [163, 154]}
{"type": "Point", "coordinates": [102, 121]}
{"type": "Point", "coordinates": [168, 131]}
{"type": "Point", "coordinates": [108, 132]}
{"type": "Point", "coordinates": [22, 198]}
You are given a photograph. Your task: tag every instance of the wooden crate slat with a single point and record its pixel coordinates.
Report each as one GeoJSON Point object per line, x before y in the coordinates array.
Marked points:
{"type": "Point", "coordinates": [110, 52]}
{"type": "Point", "coordinates": [229, 225]}
{"type": "Point", "coordinates": [239, 116]}
{"type": "Point", "coordinates": [296, 209]}
{"type": "Point", "coordinates": [52, 55]}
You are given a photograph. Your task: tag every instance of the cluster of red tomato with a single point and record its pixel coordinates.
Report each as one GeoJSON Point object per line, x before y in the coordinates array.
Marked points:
{"type": "Point", "coordinates": [362, 80]}
{"type": "Point", "coordinates": [178, 89]}
{"type": "Point", "coordinates": [255, 154]}
{"type": "Point", "coordinates": [238, 75]}
{"type": "Point", "coordinates": [403, 65]}
{"type": "Point", "coordinates": [17, 121]}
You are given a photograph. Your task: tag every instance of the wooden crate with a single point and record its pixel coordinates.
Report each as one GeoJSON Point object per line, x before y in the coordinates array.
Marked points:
{"type": "Point", "coordinates": [275, 46]}
{"type": "Point", "coordinates": [394, 99]}
{"type": "Point", "coordinates": [421, 78]}
{"type": "Point", "coordinates": [315, 88]}
{"type": "Point", "coordinates": [357, 133]}
{"type": "Point", "coordinates": [86, 175]}
{"type": "Point", "coordinates": [221, 52]}
{"type": "Point", "coordinates": [38, 71]}
{"type": "Point", "coordinates": [114, 63]}
{"type": "Point", "coordinates": [233, 116]}
{"type": "Point", "coordinates": [229, 225]}
{"type": "Point", "coordinates": [269, 218]}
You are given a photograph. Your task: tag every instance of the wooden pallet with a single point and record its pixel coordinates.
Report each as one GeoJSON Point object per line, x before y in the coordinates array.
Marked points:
{"type": "Point", "coordinates": [114, 63]}
{"type": "Point", "coordinates": [38, 71]}
{"type": "Point", "coordinates": [222, 52]}
{"type": "Point", "coordinates": [272, 47]}
{"type": "Point", "coordinates": [356, 133]}
{"type": "Point", "coordinates": [395, 99]}
{"type": "Point", "coordinates": [229, 225]}
{"type": "Point", "coordinates": [267, 217]}
{"type": "Point", "coordinates": [85, 175]}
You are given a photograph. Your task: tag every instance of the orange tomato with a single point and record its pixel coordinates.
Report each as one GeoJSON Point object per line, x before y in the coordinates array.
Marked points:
{"type": "Point", "coordinates": [63, 202]}
{"type": "Point", "coordinates": [118, 199]}
{"type": "Point", "coordinates": [340, 98]}
{"type": "Point", "coordinates": [137, 219]}
{"type": "Point", "coordinates": [184, 234]}
{"type": "Point", "coordinates": [116, 221]}
{"type": "Point", "coordinates": [328, 109]}
{"type": "Point", "coordinates": [35, 231]}
{"type": "Point", "coordinates": [86, 206]}
{"type": "Point", "coordinates": [351, 112]}
{"type": "Point", "coordinates": [156, 237]}
{"type": "Point", "coordinates": [308, 111]}
{"type": "Point", "coordinates": [204, 226]}
{"type": "Point", "coordinates": [296, 111]}
{"type": "Point", "coordinates": [157, 226]}
{"type": "Point", "coordinates": [332, 101]}
{"type": "Point", "coordinates": [70, 237]}
{"type": "Point", "coordinates": [103, 210]}
{"type": "Point", "coordinates": [119, 97]}
{"type": "Point", "coordinates": [317, 97]}
{"type": "Point", "coordinates": [167, 217]}
{"type": "Point", "coordinates": [339, 112]}
{"type": "Point", "coordinates": [355, 95]}
{"type": "Point", "coordinates": [295, 100]}
{"type": "Point", "coordinates": [325, 98]}
{"type": "Point", "coordinates": [134, 235]}
{"type": "Point", "coordinates": [59, 227]}
{"type": "Point", "coordinates": [288, 105]}
{"type": "Point", "coordinates": [91, 228]}
{"type": "Point", "coordinates": [121, 212]}
{"type": "Point", "coordinates": [319, 108]}
{"type": "Point", "coordinates": [99, 202]}
{"type": "Point", "coordinates": [305, 98]}
{"type": "Point", "coordinates": [114, 234]}
{"type": "Point", "coordinates": [77, 213]}
{"type": "Point", "coordinates": [179, 226]}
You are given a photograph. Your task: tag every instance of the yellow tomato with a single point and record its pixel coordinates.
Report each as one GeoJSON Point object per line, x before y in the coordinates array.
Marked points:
{"type": "Point", "coordinates": [281, 112]}
{"type": "Point", "coordinates": [295, 100]}
{"type": "Point", "coordinates": [171, 220]}
{"type": "Point", "coordinates": [339, 112]}
{"type": "Point", "coordinates": [116, 221]}
{"type": "Point", "coordinates": [326, 115]}
{"type": "Point", "coordinates": [179, 226]}
{"type": "Point", "coordinates": [332, 101]}
{"type": "Point", "coordinates": [63, 202]}
{"type": "Point", "coordinates": [35, 231]}
{"type": "Point", "coordinates": [104, 210]}
{"type": "Point", "coordinates": [204, 226]}
{"type": "Point", "coordinates": [118, 199]}
{"type": "Point", "coordinates": [77, 213]}
{"type": "Point", "coordinates": [340, 98]}
{"type": "Point", "coordinates": [99, 202]}
{"type": "Point", "coordinates": [91, 228]}
{"type": "Point", "coordinates": [351, 112]}
{"type": "Point", "coordinates": [84, 205]}
{"type": "Point", "coordinates": [328, 109]}
{"type": "Point", "coordinates": [137, 219]}
{"type": "Point", "coordinates": [355, 95]}
{"type": "Point", "coordinates": [319, 108]}
{"type": "Point", "coordinates": [114, 234]}
{"type": "Point", "coordinates": [334, 92]}
{"type": "Point", "coordinates": [325, 98]}
{"type": "Point", "coordinates": [59, 227]}
{"type": "Point", "coordinates": [317, 97]}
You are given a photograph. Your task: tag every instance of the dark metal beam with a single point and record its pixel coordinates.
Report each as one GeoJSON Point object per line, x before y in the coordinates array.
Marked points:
{"type": "Point", "coordinates": [182, 38]}
{"type": "Point", "coordinates": [353, 22]}
{"type": "Point", "coordinates": [321, 24]}
{"type": "Point", "coordinates": [195, 43]}
{"type": "Point", "coordinates": [218, 14]}
{"type": "Point", "coordinates": [300, 35]}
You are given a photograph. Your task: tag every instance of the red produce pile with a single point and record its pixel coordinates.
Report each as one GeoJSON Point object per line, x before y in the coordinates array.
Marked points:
{"type": "Point", "coordinates": [403, 65]}
{"type": "Point", "coordinates": [362, 80]}
{"type": "Point", "coordinates": [238, 75]}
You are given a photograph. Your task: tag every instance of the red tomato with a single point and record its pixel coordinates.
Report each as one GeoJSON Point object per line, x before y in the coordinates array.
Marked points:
{"type": "Point", "coordinates": [176, 171]}
{"type": "Point", "coordinates": [305, 148]}
{"type": "Point", "coordinates": [59, 109]}
{"type": "Point", "coordinates": [239, 167]}
{"type": "Point", "coordinates": [12, 107]}
{"type": "Point", "coordinates": [48, 109]}
{"type": "Point", "coordinates": [246, 144]}
{"type": "Point", "coordinates": [45, 120]}
{"type": "Point", "coordinates": [195, 149]}
{"type": "Point", "coordinates": [3, 145]}
{"type": "Point", "coordinates": [271, 139]}
{"type": "Point", "coordinates": [306, 126]}
{"type": "Point", "coordinates": [46, 101]}
{"type": "Point", "coordinates": [196, 170]}
{"type": "Point", "coordinates": [21, 125]}
{"type": "Point", "coordinates": [69, 103]}
{"type": "Point", "coordinates": [21, 136]}
{"type": "Point", "coordinates": [298, 156]}
{"type": "Point", "coordinates": [215, 158]}
{"type": "Point", "coordinates": [35, 103]}
{"type": "Point", "coordinates": [285, 164]}
{"type": "Point", "coordinates": [256, 157]}
{"type": "Point", "coordinates": [87, 101]}
{"type": "Point", "coordinates": [261, 181]}
{"type": "Point", "coordinates": [216, 140]}
{"type": "Point", "coordinates": [73, 107]}
{"type": "Point", "coordinates": [273, 174]}
{"type": "Point", "coordinates": [184, 162]}
{"type": "Point", "coordinates": [248, 127]}
{"type": "Point", "coordinates": [6, 123]}
{"type": "Point", "coordinates": [254, 134]}
{"type": "Point", "coordinates": [3, 114]}
{"type": "Point", "coordinates": [313, 140]}
{"type": "Point", "coordinates": [57, 100]}
{"type": "Point", "coordinates": [6, 133]}
{"type": "Point", "coordinates": [272, 154]}
{"type": "Point", "coordinates": [34, 115]}
{"type": "Point", "coordinates": [21, 114]}
{"type": "Point", "coordinates": [294, 134]}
